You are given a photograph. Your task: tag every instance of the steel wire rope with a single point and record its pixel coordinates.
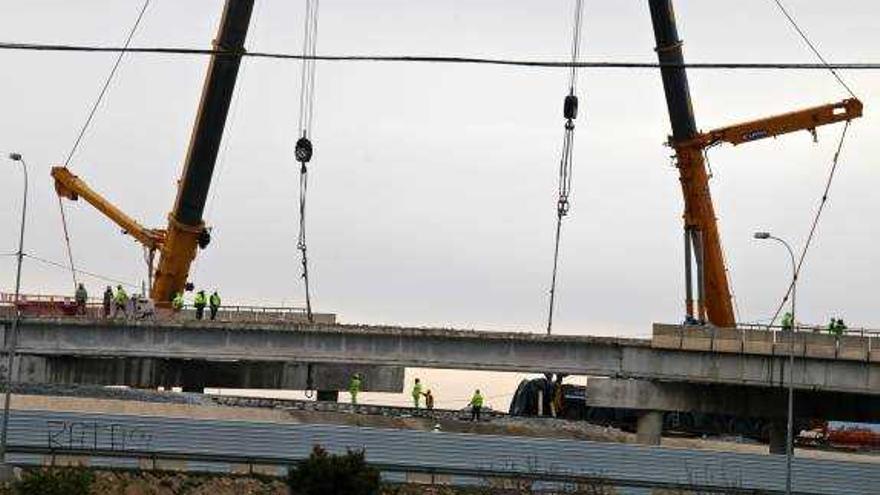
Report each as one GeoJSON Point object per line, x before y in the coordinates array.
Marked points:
{"type": "Point", "coordinates": [813, 48]}
{"type": "Point", "coordinates": [85, 126]}
{"type": "Point", "coordinates": [613, 64]}
{"type": "Point", "coordinates": [564, 180]}
{"type": "Point", "coordinates": [303, 149]}
{"type": "Point", "coordinates": [824, 200]}
{"type": "Point", "coordinates": [815, 224]}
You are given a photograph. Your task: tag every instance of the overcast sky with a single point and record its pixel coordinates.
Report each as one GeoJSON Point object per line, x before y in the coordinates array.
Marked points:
{"type": "Point", "coordinates": [432, 198]}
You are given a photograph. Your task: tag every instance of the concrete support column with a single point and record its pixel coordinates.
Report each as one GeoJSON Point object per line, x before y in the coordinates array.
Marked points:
{"type": "Point", "coordinates": [649, 428]}
{"type": "Point", "coordinates": [778, 436]}
{"type": "Point", "coordinates": [328, 396]}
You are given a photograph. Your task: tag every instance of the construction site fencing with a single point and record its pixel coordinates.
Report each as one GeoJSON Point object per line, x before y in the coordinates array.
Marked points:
{"type": "Point", "coordinates": [193, 444]}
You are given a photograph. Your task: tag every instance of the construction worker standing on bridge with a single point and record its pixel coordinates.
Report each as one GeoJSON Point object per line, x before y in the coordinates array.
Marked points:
{"type": "Point", "coordinates": [787, 321]}
{"type": "Point", "coordinates": [214, 303]}
{"type": "Point", "coordinates": [417, 393]}
{"type": "Point", "coordinates": [476, 405]}
{"type": "Point", "coordinates": [81, 298]}
{"type": "Point", "coordinates": [121, 301]}
{"type": "Point", "coordinates": [177, 302]}
{"type": "Point", "coordinates": [200, 302]}
{"type": "Point", "coordinates": [354, 387]}
{"type": "Point", "coordinates": [108, 301]}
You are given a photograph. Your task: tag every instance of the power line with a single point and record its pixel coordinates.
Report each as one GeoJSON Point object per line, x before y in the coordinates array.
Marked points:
{"type": "Point", "coordinates": [83, 272]}
{"type": "Point", "coordinates": [445, 59]}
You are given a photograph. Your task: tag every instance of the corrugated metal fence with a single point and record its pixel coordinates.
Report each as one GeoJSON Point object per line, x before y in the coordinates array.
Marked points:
{"type": "Point", "coordinates": [141, 438]}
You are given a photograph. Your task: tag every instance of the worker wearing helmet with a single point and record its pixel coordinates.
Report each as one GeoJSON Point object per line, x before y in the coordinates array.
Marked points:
{"type": "Point", "coordinates": [81, 298]}
{"type": "Point", "coordinates": [121, 301]}
{"type": "Point", "coordinates": [214, 302]}
{"type": "Point", "coordinates": [108, 301]}
{"type": "Point", "coordinates": [787, 321]}
{"type": "Point", "coordinates": [200, 302]}
{"type": "Point", "coordinates": [476, 405]}
{"type": "Point", "coordinates": [354, 387]}
{"type": "Point", "coordinates": [177, 302]}
{"type": "Point", "coordinates": [417, 393]}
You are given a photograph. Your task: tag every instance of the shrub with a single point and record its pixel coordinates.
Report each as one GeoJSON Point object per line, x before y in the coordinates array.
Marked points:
{"type": "Point", "coordinates": [328, 474]}
{"type": "Point", "coordinates": [59, 481]}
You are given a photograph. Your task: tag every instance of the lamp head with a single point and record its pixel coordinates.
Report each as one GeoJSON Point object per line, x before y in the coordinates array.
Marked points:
{"type": "Point", "coordinates": [762, 235]}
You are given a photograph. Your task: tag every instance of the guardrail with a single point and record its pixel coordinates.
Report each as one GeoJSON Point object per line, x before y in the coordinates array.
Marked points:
{"type": "Point", "coordinates": [145, 439]}
{"type": "Point", "coordinates": [856, 331]}
{"type": "Point", "coordinates": [66, 307]}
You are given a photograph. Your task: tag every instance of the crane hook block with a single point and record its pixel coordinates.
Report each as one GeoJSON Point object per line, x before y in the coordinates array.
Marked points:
{"type": "Point", "coordinates": [204, 238]}
{"type": "Point", "coordinates": [303, 150]}
{"type": "Point", "coordinates": [570, 109]}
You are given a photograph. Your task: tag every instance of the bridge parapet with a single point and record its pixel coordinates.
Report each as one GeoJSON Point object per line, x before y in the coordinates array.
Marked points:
{"type": "Point", "coordinates": [860, 345]}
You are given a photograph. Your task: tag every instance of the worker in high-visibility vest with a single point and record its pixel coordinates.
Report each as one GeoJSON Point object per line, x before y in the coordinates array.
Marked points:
{"type": "Point", "coordinates": [476, 405]}
{"type": "Point", "coordinates": [121, 301]}
{"type": "Point", "coordinates": [417, 393]}
{"type": "Point", "coordinates": [214, 303]}
{"type": "Point", "coordinates": [200, 302]}
{"type": "Point", "coordinates": [354, 387]}
{"type": "Point", "coordinates": [787, 321]}
{"type": "Point", "coordinates": [177, 302]}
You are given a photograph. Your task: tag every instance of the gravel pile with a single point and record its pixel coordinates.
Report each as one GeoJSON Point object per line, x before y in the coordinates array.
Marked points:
{"type": "Point", "coordinates": [118, 393]}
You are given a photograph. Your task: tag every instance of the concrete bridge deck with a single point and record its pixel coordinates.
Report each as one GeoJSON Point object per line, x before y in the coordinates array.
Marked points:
{"type": "Point", "coordinates": [49, 343]}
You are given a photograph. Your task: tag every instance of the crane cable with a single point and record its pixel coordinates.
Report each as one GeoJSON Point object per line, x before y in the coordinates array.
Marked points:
{"type": "Point", "coordinates": [85, 126]}
{"type": "Point", "coordinates": [823, 201]}
{"type": "Point", "coordinates": [570, 107]}
{"type": "Point", "coordinates": [303, 150]}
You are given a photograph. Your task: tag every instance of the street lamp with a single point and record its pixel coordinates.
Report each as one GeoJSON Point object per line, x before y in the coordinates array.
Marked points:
{"type": "Point", "coordinates": [789, 440]}
{"type": "Point", "coordinates": [12, 339]}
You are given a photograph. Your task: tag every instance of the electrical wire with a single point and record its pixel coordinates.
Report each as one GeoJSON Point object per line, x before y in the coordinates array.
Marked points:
{"type": "Point", "coordinates": [83, 272]}
{"type": "Point", "coordinates": [813, 48]}
{"type": "Point", "coordinates": [445, 59]}
{"type": "Point", "coordinates": [86, 125]}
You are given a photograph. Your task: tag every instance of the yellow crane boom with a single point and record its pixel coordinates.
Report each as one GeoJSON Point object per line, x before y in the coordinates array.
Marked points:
{"type": "Point", "coordinates": [72, 187]}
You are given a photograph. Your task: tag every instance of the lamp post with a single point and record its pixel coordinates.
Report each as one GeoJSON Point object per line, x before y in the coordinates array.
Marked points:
{"type": "Point", "coordinates": [789, 434]}
{"type": "Point", "coordinates": [12, 338]}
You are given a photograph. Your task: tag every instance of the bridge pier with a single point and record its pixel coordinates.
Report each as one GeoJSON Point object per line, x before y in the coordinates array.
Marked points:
{"type": "Point", "coordinates": [778, 436]}
{"type": "Point", "coordinates": [649, 428]}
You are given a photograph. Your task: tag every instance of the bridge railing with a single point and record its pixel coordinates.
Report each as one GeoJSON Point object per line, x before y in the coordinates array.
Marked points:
{"type": "Point", "coordinates": [853, 332]}
{"type": "Point", "coordinates": [60, 306]}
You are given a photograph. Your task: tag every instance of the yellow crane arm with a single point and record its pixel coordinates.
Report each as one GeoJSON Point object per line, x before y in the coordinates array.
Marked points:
{"type": "Point", "coordinates": [72, 188]}
{"type": "Point", "coordinates": [806, 119]}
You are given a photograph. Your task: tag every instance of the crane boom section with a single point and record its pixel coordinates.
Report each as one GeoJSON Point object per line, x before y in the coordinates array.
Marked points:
{"type": "Point", "coordinates": [808, 119]}
{"type": "Point", "coordinates": [72, 187]}
{"type": "Point", "coordinates": [186, 228]}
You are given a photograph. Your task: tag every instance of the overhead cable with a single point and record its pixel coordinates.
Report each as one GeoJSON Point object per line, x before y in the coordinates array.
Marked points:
{"type": "Point", "coordinates": [85, 127]}
{"type": "Point", "coordinates": [83, 272]}
{"type": "Point", "coordinates": [446, 59]}
{"type": "Point", "coordinates": [813, 48]}
{"type": "Point", "coordinates": [822, 202]}
{"type": "Point", "coordinates": [303, 150]}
